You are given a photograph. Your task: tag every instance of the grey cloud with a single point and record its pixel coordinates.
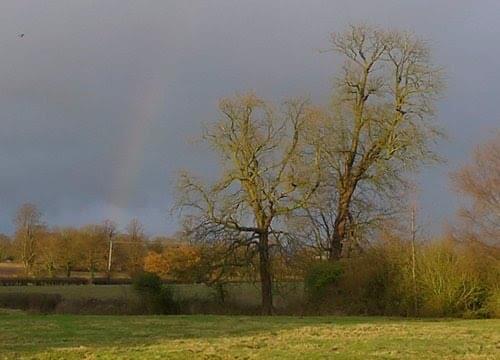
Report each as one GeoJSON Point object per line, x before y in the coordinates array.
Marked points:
{"type": "Point", "coordinates": [99, 98]}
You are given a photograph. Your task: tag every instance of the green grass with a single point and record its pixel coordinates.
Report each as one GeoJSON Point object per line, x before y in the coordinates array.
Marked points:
{"type": "Point", "coordinates": [226, 337]}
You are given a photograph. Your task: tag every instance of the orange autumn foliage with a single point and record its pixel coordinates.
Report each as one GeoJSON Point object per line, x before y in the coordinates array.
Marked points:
{"type": "Point", "coordinates": [176, 262]}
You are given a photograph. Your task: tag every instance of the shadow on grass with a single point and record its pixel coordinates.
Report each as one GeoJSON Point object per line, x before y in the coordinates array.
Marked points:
{"type": "Point", "coordinates": [22, 334]}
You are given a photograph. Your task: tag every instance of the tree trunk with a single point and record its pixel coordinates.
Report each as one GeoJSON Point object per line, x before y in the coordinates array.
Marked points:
{"type": "Point", "coordinates": [336, 245]}
{"type": "Point", "coordinates": [27, 255]}
{"type": "Point", "coordinates": [50, 269]}
{"type": "Point", "coordinates": [92, 274]}
{"type": "Point", "coordinates": [265, 275]}
{"type": "Point", "coordinates": [221, 292]}
{"type": "Point", "coordinates": [340, 225]}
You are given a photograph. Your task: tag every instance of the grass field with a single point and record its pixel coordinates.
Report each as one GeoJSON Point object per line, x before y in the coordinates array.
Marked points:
{"type": "Point", "coordinates": [226, 337]}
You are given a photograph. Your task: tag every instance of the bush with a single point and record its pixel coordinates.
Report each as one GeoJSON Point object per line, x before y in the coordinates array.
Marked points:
{"type": "Point", "coordinates": [33, 302]}
{"type": "Point", "coordinates": [375, 283]}
{"type": "Point", "coordinates": [493, 303]}
{"type": "Point", "coordinates": [155, 297]}
{"type": "Point", "coordinates": [111, 281]}
{"type": "Point", "coordinates": [452, 279]}
{"type": "Point", "coordinates": [42, 281]}
{"type": "Point", "coordinates": [147, 282]}
{"type": "Point", "coordinates": [320, 279]}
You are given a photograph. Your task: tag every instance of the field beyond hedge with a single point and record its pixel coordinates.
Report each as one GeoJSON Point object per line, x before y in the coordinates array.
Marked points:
{"type": "Point", "coordinates": [231, 337]}
{"type": "Point", "coordinates": [242, 298]}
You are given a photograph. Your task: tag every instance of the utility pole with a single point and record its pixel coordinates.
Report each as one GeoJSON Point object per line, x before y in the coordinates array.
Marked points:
{"type": "Point", "coordinates": [110, 256]}
{"type": "Point", "coordinates": [110, 252]}
{"type": "Point", "coordinates": [109, 228]}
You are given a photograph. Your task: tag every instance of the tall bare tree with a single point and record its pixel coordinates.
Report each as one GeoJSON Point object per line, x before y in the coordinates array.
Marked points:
{"type": "Point", "coordinates": [269, 171]}
{"type": "Point", "coordinates": [314, 226]}
{"type": "Point", "coordinates": [5, 247]}
{"type": "Point", "coordinates": [135, 230]}
{"type": "Point", "coordinates": [93, 242]}
{"type": "Point", "coordinates": [380, 124]}
{"type": "Point", "coordinates": [28, 222]}
{"type": "Point", "coordinates": [480, 182]}
{"type": "Point", "coordinates": [135, 246]}
{"type": "Point", "coordinates": [69, 251]}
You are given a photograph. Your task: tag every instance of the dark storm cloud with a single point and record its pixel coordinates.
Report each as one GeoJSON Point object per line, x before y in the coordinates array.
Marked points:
{"type": "Point", "coordinates": [98, 99]}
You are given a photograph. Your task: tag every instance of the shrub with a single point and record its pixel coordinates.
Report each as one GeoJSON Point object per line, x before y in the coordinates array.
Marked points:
{"type": "Point", "coordinates": [376, 282]}
{"type": "Point", "coordinates": [321, 278]}
{"type": "Point", "coordinates": [155, 297]}
{"type": "Point", "coordinates": [452, 280]}
{"type": "Point", "coordinates": [42, 281]}
{"type": "Point", "coordinates": [147, 282]}
{"type": "Point", "coordinates": [165, 301]}
{"type": "Point", "coordinates": [493, 303]}
{"type": "Point", "coordinates": [33, 302]}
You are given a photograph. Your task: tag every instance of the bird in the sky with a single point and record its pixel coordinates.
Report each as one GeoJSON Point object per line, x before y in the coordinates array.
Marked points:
{"type": "Point", "coordinates": [21, 35]}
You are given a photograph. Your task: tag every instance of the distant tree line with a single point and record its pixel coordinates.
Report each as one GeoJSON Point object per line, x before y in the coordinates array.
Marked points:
{"type": "Point", "coordinates": [62, 251]}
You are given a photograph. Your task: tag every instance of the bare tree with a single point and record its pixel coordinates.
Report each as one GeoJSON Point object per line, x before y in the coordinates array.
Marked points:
{"type": "Point", "coordinates": [135, 246]}
{"type": "Point", "coordinates": [68, 249]}
{"type": "Point", "coordinates": [380, 125]}
{"type": "Point", "coordinates": [135, 230]}
{"type": "Point", "coordinates": [480, 182]}
{"type": "Point", "coordinates": [93, 242]}
{"type": "Point", "coordinates": [5, 247]}
{"type": "Point", "coordinates": [413, 240]}
{"type": "Point", "coordinates": [28, 222]}
{"type": "Point", "coordinates": [314, 226]}
{"type": "Point", "coordinates": [47, 255]}
{"type": "Point", "coordinates": [269, 171]}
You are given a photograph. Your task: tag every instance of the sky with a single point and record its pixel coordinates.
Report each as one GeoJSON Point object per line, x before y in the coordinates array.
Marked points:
{"type": "Point", "coordinates": [101, 102]}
